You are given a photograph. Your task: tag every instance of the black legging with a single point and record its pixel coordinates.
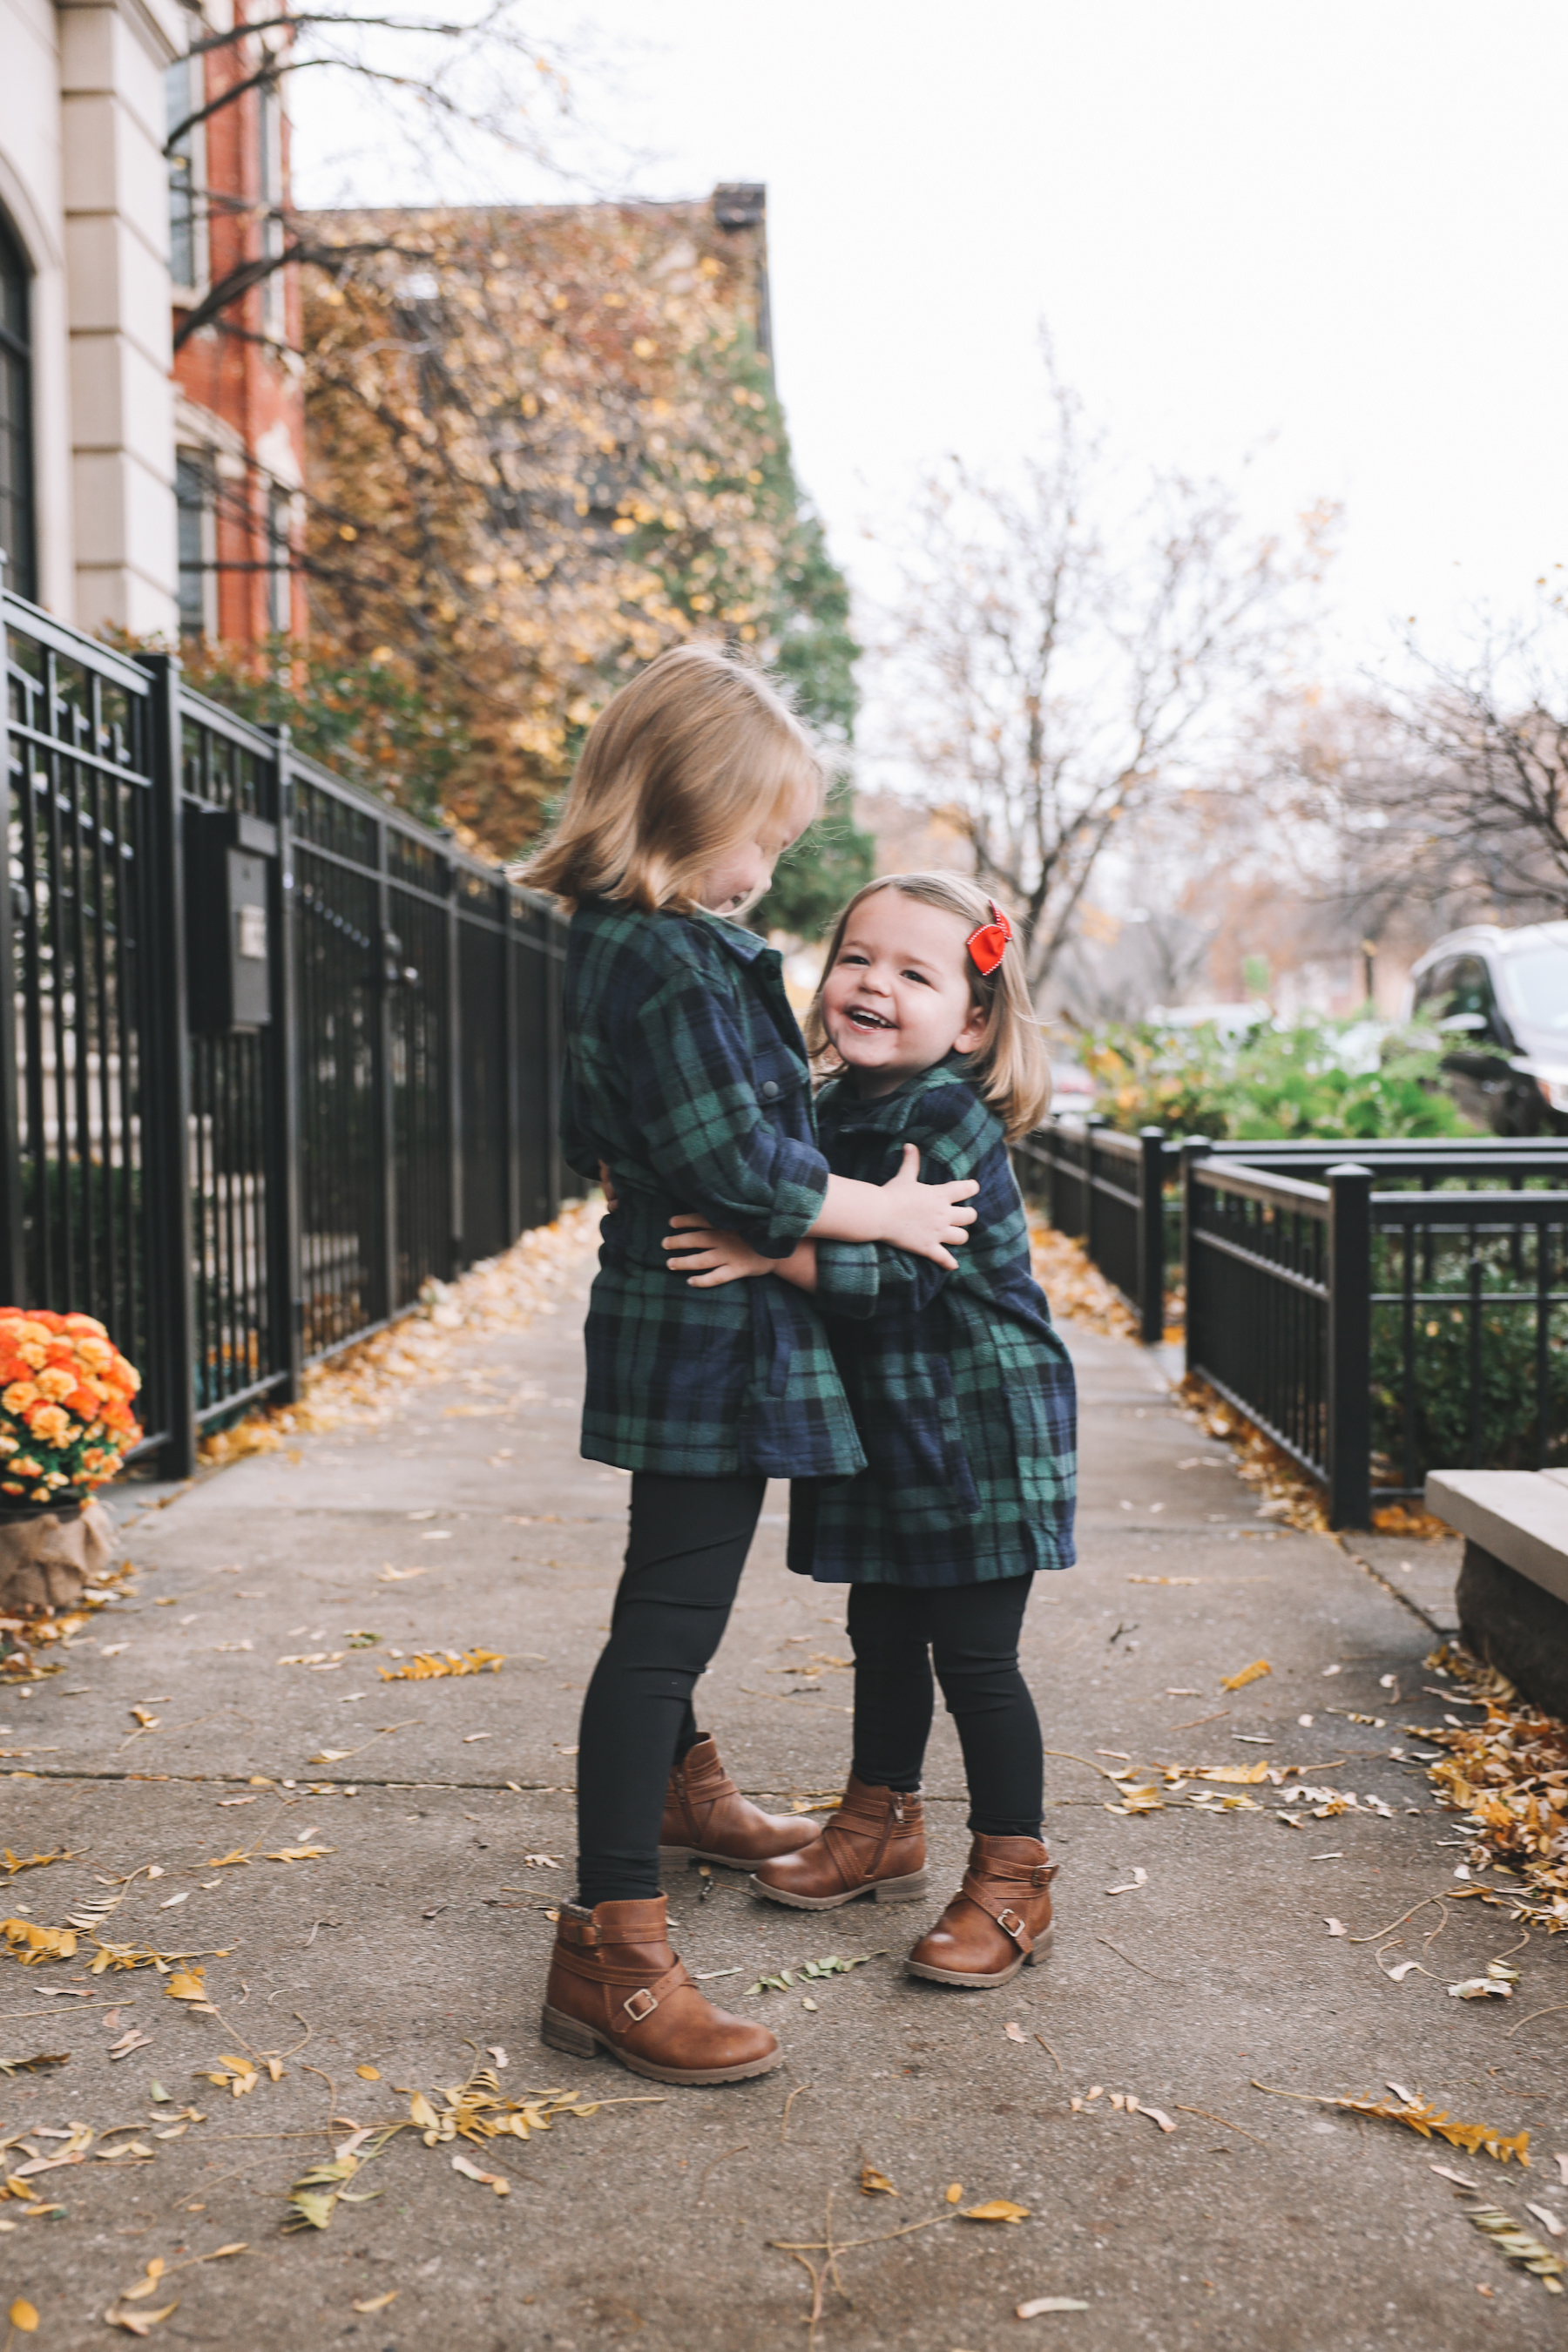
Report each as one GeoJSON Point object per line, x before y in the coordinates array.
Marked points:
{"type": "Point", "coordinates": [972, 1632]}
{"type": "Point", "coordinates": [684, 1550]}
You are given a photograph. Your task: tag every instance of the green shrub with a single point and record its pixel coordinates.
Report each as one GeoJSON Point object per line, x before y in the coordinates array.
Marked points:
{"type": "Point", "coordinates": [1506, 1390]}
{"type": "Point", "coordinates": [1313, 1079]}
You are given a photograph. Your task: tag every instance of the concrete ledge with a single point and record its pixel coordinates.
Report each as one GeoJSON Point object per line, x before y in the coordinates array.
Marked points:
{"type": "Point", "coordinates": [1519, 1516]}
{"type": "Point", "coordinates": [1515, 1625]}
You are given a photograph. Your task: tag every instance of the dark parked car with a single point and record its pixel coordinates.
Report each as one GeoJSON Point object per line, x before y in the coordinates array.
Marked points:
{"type": "Point", "coordinates": [1498, 1001]}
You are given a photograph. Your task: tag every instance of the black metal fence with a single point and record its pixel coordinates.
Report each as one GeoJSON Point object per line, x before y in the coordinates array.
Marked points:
{"type": "Point", "coordinates": [272, 1055]}
{"type": "Point", "coordinates": [1110, 1192]}
{"type": "Point", "coordinates": [1381, 1309]}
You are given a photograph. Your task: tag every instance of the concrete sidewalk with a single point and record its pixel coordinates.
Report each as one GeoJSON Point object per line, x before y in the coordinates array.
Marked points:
{"type": "Point", "coordinates": [1192, 1953]}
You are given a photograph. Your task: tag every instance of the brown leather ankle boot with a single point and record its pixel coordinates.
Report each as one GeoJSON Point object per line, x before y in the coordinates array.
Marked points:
{"type": "Point", "coordinates": [874, 1844]}
{"type": "Point", "coordinates": [706, 1819]}
{"type": "Point", "coordinates": [615, 1985]}
{"type": "Point", "coordinates": [1000, 1918]}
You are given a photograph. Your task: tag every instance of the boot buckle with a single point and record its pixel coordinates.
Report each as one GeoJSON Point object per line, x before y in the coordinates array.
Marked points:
{"type": "Point", "coordinates": [1009, 1923]}
{"type": "Point", "coordinates": [650, 2003]}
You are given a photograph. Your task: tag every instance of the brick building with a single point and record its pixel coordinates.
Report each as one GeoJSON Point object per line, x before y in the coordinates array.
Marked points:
{"type": "Point", "coordinates": [140, 490]}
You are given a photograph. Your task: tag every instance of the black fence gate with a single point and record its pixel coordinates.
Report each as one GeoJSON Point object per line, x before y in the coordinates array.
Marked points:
{"type": "Point", "coordinates": [272, 1055]}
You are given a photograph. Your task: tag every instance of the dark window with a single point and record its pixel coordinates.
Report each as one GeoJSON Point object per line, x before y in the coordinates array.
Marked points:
{"type": "Point", "coordinates": [280, 557]}
{"type": "Point", "coordinates": [17, 534]}
{"type": "Point", "coordinates": [187, 243]}
{"type": "Point", "coordinates": [193, 500]}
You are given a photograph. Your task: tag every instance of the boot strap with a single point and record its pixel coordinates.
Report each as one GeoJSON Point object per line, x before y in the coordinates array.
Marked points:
{"type": "Point", "coordinates": [852, 1830]}
{"type": "Point", "coordinates": [640, 2005]}
{"type": "Point", "coordinates": [1007, 1918]}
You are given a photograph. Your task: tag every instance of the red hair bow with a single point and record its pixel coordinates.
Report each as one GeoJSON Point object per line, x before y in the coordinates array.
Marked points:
{"type": "Point", "coordinates": [988, 945]}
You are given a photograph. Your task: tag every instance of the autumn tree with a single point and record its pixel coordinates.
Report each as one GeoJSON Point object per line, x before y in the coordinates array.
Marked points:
{"type": "Point", "coordinates": [1061, 663]}
{"type": "Point", "coordinates": [1448, 793]}
{"type": "Point", "coordinates": [544, 444]}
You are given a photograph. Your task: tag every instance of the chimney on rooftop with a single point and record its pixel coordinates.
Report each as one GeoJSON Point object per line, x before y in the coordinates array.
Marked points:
{"type": "Point", "coordinates": [742, 205]}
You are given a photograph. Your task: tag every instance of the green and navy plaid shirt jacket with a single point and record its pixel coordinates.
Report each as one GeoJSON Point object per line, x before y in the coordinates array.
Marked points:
{"type": "Point", "coordinates": [686, 1073]}
{"type": "Point", "coordinates": [960, 1385]}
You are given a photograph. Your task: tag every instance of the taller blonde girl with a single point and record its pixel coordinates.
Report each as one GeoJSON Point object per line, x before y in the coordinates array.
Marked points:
{"type": "Point", "coordinates": [686, 1077]}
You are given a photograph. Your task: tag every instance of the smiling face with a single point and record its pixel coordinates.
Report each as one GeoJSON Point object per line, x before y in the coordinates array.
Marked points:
{"type": "Point", "coordinates": [741, 872]}
{"type": "Point", "coordinates": [898, 997]}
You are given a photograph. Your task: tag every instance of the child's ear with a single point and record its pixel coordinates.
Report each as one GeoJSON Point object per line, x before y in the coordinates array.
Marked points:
{"type": "Point", "coordinates": [972, 1031]}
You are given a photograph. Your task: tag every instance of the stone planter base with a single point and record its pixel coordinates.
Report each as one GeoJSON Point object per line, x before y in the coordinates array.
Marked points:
{"type": "Point", "coordinates": [46, 1563]}
{"type": "Point", "coordinates": [1517, 1626]}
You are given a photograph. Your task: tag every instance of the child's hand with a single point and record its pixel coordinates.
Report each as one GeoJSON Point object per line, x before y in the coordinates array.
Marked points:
{"type": "Point", "coordinates": [926, 1219]}
{"type": "Point", "coordinates": [709, 1258]}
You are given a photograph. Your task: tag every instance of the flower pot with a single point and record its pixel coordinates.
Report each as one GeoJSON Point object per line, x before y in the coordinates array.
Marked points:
{"type": "Point", "coordinates": [49, 1552]}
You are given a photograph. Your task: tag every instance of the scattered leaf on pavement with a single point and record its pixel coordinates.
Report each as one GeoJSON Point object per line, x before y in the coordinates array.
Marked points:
{"type": "Point", "coordinates": [1482, 1988]}
{"type": "Point", "coordinates": [1254, 1672]}
{"type": "Point", "coordinates": [23, 2316]}
{"type": "Point", "coordinates": [368, 2074]}
{"type": "Point", "coordinates": [431, 1666]}
{"type": "Point", "coordinates": [496, 2180]}
{"type": "Point", "coordinates": [1044, 2303]}
{"type": "Point", "coordinates": [999, 2209]}
{"type": "Point", "coordinates": [377, 2302]}
{"type": "Point", "coordinates": [955, 2191]}
{"type": "Point", "coordinates": [1421, 2117]}
{"type": "Point", "coordinates": [1014, 2033]}
{"type": "Point", "coordinates": [1516, 2244]}
{"type": "Point", "coordinates": [874, 2183]}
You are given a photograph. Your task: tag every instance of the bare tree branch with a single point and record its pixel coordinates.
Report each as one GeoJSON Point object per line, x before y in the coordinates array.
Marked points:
{"type": "Point", "coordinates": [1057, 668]}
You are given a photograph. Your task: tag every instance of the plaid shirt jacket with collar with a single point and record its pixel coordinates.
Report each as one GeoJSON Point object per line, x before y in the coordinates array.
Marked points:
{"type": "Point", "coordinates": [686, 1073]}
{"type": "Point", "coordinates": [960, 1385]}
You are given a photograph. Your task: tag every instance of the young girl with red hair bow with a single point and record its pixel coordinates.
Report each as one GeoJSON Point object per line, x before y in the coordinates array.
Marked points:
{"type": "Point", "coordinates": [963, 1394]}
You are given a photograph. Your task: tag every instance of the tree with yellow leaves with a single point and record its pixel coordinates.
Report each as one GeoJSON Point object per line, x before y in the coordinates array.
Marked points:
{"type": "Point", "coordinates": [544, 444]}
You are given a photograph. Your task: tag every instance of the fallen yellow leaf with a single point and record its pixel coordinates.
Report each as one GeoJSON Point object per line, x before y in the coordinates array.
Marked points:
{"type": "Point", "coordinates": [955, 2192]}
{"type": "Point", "coordinates": [874, 2183]}
{"type": "Point", "coordinates": [186, 1984]}
{"type": "Point", "coordinates": [377, 2302]}
{"type": "Point", "coordinates": [368, 2074]}
{"type": "Point", "coordinates": [1254, 1672]}
{"type": "Point", "coordinates": [428, 1667]}
{"type": "Point", "coordinates": [1000, 2208]}
{"type": "Point", "coordinates": [22, 2314]}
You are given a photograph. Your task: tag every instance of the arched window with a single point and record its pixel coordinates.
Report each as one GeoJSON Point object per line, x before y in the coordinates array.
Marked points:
{"type": "Point", "coordinates": [16, 511]}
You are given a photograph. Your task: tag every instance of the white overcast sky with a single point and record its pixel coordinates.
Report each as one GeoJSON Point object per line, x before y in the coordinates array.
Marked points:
{"type": "Point", "coordinates": [1329, 233]}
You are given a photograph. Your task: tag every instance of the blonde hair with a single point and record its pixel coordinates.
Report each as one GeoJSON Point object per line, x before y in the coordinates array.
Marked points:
{"type": "Point", "coordinates": [1009, 1062]}
{"type": "Point", "coordinates": [675, 771]}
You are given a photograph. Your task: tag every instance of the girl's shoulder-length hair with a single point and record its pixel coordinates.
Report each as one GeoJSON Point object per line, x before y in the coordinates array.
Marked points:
{"type": "Point", "coordinates": [678, 768]}
{"type": "Point", "coordinates": [1009, 1067]}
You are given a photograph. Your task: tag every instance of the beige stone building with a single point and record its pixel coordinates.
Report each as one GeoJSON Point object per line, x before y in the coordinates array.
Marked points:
{"type": "Point", "coordinates": [86, 406]}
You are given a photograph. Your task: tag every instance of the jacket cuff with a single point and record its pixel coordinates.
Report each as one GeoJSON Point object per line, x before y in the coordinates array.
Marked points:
{"type": "Point", "coordinates": [847, 1278]}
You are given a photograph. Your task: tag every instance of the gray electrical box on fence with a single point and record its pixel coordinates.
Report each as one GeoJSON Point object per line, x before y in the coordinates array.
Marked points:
{"type": "Point", "coordinates": [229, 859]}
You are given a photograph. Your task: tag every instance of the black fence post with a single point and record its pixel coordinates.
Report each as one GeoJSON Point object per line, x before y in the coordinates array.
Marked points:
{"type": "Point", "coordinates": [452, 1021]}
{"type": "Point", "coordinates": [1050, 1128]}
{"type": "Point", "coordinates": [283, 1143]}
{"type": "Point", "coordinates": [1349, 1345]}
{"type": "Point", "coordinates": [13, 1243]}
{"type": "Point", "coordinates": [1151, 1235]}
{"type": "Point", "coordinates": [1092, 1120]}
{"type": "Point", "coordinates": [1195, 1148]}
{"type": "Point", "coordinates": [166, 1090]}
{"type": "Point", "coordinates": [511, 1073]}
{"type": "Point", "coordinates": [388, 981]}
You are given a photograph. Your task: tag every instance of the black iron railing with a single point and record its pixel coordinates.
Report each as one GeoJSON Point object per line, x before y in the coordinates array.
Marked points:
{"type": "Point", "coordinates": [1109, 1191]}
{"type": "Point", "coordinates": [1382, 1309]}
{"type": "Point", "coordinates": [235, 1188]}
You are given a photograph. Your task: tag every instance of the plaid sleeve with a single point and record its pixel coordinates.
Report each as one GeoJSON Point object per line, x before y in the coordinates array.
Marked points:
{"type": "Point", "coordinates": [693, 1091]}
{"type": "Point", "coordinates": [858, 1280]}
